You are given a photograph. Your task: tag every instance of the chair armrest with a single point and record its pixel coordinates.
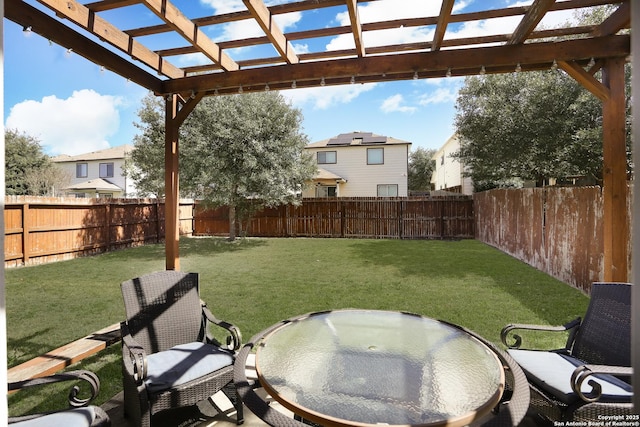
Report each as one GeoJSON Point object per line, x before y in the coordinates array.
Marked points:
{"type": "Point", "coordinates": [583, 372]}
{"type": "Point", "coordinates": [137, 362]}
{"type": "Point", "coordinates": [234, 340]}
{"type": "Point", "coordinates": [74, 400]}
{"type": "Point", "coordinates": [504, 334]}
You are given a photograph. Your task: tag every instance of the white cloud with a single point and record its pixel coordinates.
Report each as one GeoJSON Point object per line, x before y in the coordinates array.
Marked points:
{"type": "Point", "coordinates": [394, 103]}
{"type": "Point", "coordinates": [324, 97]}
{"type": "Point", "coordinates": [439, 96]}
{"type": "Point", "coordinates": [78, 124]}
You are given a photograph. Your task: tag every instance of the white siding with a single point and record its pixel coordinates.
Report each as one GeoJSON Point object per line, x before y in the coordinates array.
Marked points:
{"type": "Point", "coordinates": [363, 179]}
{"type": "Point", "coordinates": [449, 171]}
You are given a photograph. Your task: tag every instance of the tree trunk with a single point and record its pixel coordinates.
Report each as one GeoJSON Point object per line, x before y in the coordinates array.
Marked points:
{"type": "Point", "coordinates": [232, 222]}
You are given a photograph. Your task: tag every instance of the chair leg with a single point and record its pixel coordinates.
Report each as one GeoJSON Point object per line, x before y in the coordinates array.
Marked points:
{"type": "Point", "coordinates": [230, 391]}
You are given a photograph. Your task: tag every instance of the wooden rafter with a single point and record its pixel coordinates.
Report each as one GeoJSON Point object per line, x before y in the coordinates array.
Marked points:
{"type": "Point", "coordinates": [618, 20]}
{"type": "Point", "coordinates": [586, 79]}
{"type": "Point", "coordinates": [103, 5]}
{"type": "Point", "coordinates": [371, 67]}
{"type": "Point", "coordinates": [40, 23]}
{"type": "Point", "coordinates": [263, 16]}
{"type": "Point", "coordinates": [356, 27]}
{"type": "Point", "coordinates": [533, 16]}
{"type": "Point", "coordinates": [94, 24]}
{"type": "Point", "coordinates": [443, 21]}
{"type": "Point", "coordinates": [172, 16]}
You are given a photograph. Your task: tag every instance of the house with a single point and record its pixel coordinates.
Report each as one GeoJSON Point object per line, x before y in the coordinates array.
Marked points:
{"type": "Point", "coordinates": [448, 174]}
{"type": "Point", "coordinates": [97, 174]}
{"type": "Point", "coordinates": [359, 164]}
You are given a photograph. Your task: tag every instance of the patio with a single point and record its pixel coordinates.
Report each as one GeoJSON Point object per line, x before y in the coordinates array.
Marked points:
{"type": "Point", "coordinates": [525, 49]}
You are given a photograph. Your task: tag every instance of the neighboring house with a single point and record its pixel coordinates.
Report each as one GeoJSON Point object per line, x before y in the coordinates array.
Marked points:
{"type": "Point", "coordinates": [359, 164]}
{"type": "Point", "coordinates": [97, 174]}
{"type": "Point", "coordinates": [448, 175]}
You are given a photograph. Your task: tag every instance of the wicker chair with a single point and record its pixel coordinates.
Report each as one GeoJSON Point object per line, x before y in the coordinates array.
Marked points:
{"type": "Point", "coordinates": [590, 377]}
{"type": "Point", "coordinates": [79, 413]}
{"type": "Point", "coordinates": [170, 359]}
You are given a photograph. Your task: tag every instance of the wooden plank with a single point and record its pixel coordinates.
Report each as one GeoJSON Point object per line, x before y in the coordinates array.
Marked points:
{"type": "Point", "coordinates": [172, 229]}
{"type": "Point", "coordinates": [356, 26]}
{"type": "Point", "coordinates": [616, 252]}
{"type": "Point", "coordinates": [263, 17]}
{"type": "Point", "coordinates": [166, 11]}
{"type": "Point", "coordinates": [60, 358]}
{"type": "Point", "coordinates": [586, 79]}
{"type": "Point", "coordinates": [443, 21]}
{"type": "Point", "coordinates": [534, 15]}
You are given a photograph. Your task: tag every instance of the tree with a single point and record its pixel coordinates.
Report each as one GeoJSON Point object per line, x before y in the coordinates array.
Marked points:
{"type": "Point", "coordinates": [23, 154]}
{"type": "Point", "coordinates": [531, 126]}
{"type": "Point", "coordinates": [145, 166]}
{"type": "Point", "coordinates": [248, 153]}
{"type": "Point", "coordinates": [421, 167]}
{"type": "Point", "coordinates": [48, 180]}
{"type": "Point", "coordinates": [242, 151]}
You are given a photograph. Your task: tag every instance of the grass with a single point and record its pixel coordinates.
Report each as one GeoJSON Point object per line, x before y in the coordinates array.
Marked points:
{"type": "Point", "coordinates": [256, 282]}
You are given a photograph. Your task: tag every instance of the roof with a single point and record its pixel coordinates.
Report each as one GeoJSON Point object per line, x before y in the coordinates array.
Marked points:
{"type": "Point", "coordinates": [118, 152]}
{"type": "Point", "coordinates": [149, 47]}
{"type": "Point", "coordinates": [97, 184]}
{"type": "Point", "coordinates": [325, 174]}
{"type": "Point", "coordinates": [357, 138]}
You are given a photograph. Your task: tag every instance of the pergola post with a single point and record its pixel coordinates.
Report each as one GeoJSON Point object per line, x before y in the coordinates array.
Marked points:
{"type": "Point", "coordinates": [615, 210]}
{"type": "Point", "coordinates": [172, 195]}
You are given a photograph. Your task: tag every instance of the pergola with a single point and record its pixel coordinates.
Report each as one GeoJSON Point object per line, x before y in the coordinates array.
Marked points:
{"type": "Point", "coordinates": [580, 51]}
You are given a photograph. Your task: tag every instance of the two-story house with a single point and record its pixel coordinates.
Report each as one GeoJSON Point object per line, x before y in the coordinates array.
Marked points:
{"type": "Point", "coordinates": [449, 172]}
{"type": "Point", "coordinates": [359, 164]}
{"type": "Point", "coordinates": [97, 174]}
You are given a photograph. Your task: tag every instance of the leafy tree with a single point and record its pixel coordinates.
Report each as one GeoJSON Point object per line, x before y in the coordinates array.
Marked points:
{"type": "Point", "coordinates": [528, 125]}
{"type": "Point", "coordinates": [48, 180]}
{"type": "Point", "coordinates": [23, 153]}
{"type": "Point", "coordinates": [242, 151]}
{"type": "Point", "coordinates": [145, 166]}
{"type": "Point", "coordinates": [248, 152]}
{"type": "Point", "coordinates": [421, 167]}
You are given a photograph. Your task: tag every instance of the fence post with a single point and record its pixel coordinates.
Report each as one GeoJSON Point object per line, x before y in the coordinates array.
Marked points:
{"type": "Point", "coordinates": [26, 225]}
{"type": "Point", "coordinates": [107, 230]}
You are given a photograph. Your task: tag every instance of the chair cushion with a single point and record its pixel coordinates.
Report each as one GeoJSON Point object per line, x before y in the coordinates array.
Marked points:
{"type": "Point", "coordinates": [551, 372]}
{"type": "Point", "coordinates": [183, 363]}
{"type": "Point", "coordinates": [77, 417]}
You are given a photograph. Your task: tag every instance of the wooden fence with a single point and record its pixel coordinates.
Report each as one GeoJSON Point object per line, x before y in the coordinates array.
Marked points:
{"type": "Point", "coordinates": [391, 218]}
{"type": "Point", "coordinates": [40, 230]}
{"type": "Point", "coordinates": [557, 230]}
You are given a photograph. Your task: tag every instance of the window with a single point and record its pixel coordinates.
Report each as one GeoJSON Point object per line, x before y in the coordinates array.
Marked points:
{"type": "Point", "coordinates": [325, 157]}
{"type": "Point", "coordinates": [81, 170]}
{"type": "Point", "coordinates": [375, 156]}
{"type": "Point", "coordinates": [442, 160]}
{"type": "Point", "coordinates": [106, 170]}
{"type": "Point", "coordinates": [326, 191]}
{"type": "Point", "coordinates": [387, 190]}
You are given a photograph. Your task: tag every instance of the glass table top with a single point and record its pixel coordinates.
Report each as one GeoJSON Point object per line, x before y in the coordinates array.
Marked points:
{"type": "Point", "coordinates": [362, 367]}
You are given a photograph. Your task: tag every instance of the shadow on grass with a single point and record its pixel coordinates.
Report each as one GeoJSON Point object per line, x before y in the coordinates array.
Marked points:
{"type": "Point", "coordinates": [467, 267]}
{"type": "Point", "coordinates": [207, 246]}
{"type": "Point", "coordinates": [23, 349]}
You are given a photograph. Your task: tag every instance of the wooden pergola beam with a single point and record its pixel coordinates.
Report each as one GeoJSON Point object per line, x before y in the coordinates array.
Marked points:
{"type": "Point", "coordinates": [166, 11]}
{"type": "Point", "coordinates": [42, 24]}
{"type": "Point", "coordinates": [586, 79]}
{"type": "Point", "coordinates": [264, 18]}
{"type": "Point", "coordinates": [89, 21]}
{"type": "Point", "coordinates": [616, 226]}
{"type": "Point", "coordinates": [533, 16]}
{"type": "Point", "coordinates": [371, 68]}
{"type": "Point", "coordinates": [356, 27]}
{"type": "Point", "coordinates": [441, 26]}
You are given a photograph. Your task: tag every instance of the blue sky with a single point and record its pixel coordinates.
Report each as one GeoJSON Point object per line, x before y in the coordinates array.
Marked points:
{"type": "Point", "coordinates": [72, 106]}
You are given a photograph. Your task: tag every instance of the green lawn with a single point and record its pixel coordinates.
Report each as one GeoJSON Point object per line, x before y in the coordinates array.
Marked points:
{"type": "Point", "coordinates": [256, 282]}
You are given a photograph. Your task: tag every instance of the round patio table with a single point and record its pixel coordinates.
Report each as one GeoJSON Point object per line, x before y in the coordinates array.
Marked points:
{"type": "Point", "coordinates": [368, 367]}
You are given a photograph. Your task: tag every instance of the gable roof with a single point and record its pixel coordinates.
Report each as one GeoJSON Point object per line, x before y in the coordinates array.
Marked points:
{"type": "Point", "coordinates": [119, 152]}
{"type": "Point", "coordinates": [97, 184]}
{"type": "Point", "coordinates": [357, 138]}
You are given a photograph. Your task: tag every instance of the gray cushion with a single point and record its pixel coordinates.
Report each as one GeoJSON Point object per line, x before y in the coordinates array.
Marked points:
{"type": "Point", "coordinates": [551, 372]}
{"type": "Point", "coordinates": [78, 417]}
{"type": "Point", "coordinates": [183, 363]}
